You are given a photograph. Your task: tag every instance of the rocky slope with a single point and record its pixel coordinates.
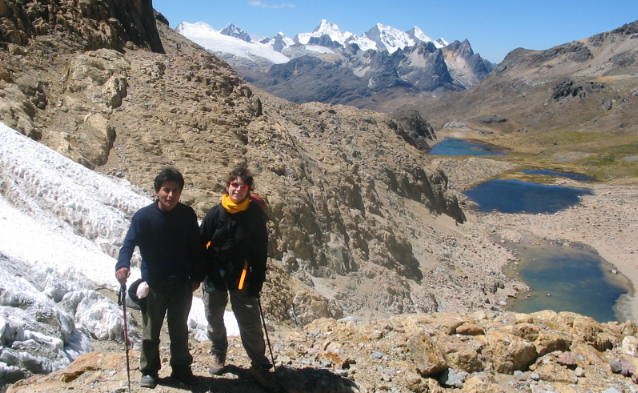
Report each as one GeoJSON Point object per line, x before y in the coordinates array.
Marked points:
{"type": "Point", "coordinates": [579, 76]}
{"type": "Point", "coordinates": [440, 352]}
{"type": "Point", "coordinates": [355, 205]}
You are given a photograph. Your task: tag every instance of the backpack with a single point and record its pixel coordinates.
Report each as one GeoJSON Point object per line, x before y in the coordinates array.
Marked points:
{"type": "Point", "coordinates": [261, 202]}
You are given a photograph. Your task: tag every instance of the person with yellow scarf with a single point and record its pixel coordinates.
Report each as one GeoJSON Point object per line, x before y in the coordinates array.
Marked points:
{"type": "Point", "coordinates": [235, 239]}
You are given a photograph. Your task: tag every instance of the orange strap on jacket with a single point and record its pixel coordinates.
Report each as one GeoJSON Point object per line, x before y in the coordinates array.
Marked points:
{"type": "Point", "coordinates": [242, 278]}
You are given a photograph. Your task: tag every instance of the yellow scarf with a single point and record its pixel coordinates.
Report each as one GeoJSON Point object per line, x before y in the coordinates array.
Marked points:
{"type": "Point", "coordinates": [232, 207]}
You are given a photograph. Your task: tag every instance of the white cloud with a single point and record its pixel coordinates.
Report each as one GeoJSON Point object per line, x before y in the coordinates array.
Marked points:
{"type": "Point", "coordinates": [263, 4]}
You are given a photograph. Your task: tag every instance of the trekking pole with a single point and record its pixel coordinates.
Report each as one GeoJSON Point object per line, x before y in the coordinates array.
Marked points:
{"type": "Point", "coordinates": [263, 321]}
{"type": "Point", "coordinates": [121, 300]}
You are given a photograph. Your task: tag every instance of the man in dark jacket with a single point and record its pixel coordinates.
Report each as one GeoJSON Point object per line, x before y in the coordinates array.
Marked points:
{"type": "Point", "coordinates": [167, 235]}
{"type": "Point", "coordinates": [235, 237]}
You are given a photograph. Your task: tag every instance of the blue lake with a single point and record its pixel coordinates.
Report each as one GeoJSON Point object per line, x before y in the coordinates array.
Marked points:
{"type": "Point", "coordinates": [517, 196]}
{"type": "Point", "coordinates": [462, 147]}
{"type": "Point", "coordinates": [569, 279]}
{"type": "Point", "coordinates": [562, 278]}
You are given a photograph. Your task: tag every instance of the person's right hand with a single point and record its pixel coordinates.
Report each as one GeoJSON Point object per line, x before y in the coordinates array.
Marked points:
{"type": "Point", "coordinates": [122, 274]}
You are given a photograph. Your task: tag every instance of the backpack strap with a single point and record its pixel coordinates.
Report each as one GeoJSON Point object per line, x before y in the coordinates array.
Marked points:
{"type": "Point", "coordinates": [261, 202]}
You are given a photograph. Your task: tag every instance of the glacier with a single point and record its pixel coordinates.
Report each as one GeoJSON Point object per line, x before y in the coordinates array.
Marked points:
{"type": "Point", "coordinates": [61, 227]}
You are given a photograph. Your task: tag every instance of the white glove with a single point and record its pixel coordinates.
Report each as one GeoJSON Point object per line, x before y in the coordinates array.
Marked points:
{"type": "Point", "coordinates": [142, 290]}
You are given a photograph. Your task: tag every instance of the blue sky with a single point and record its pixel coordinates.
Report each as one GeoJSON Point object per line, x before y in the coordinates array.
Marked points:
{"type": "Point", "coordinates": [493, 27]}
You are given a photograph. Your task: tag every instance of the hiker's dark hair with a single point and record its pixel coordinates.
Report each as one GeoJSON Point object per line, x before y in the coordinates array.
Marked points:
{"type": "Point", "coordinates": [242, 172]}
{"type": "Point", "coordinates": [168, 174]}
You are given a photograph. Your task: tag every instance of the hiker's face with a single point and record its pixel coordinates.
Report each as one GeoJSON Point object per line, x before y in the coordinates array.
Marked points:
{"type": "Point", "coordinates": [168, 195]}
{"type": "Point", "coordinates": [237, 190]}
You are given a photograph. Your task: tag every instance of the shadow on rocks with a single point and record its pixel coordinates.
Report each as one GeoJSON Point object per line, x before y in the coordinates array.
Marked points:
{"type": "Point", "coordinates": [312, 380]}
{"type": "Point", "coordinates": [290, 380]}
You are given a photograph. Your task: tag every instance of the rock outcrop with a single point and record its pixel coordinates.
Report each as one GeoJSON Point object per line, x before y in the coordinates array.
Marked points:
{"type": "Point", "coordinates": [94, 24]}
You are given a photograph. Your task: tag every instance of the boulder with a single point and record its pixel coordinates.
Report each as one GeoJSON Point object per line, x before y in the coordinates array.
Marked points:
{"type": "Point", "coordinates": [509, 352]}
{"type": "Point", "coordinates": [427, 357]}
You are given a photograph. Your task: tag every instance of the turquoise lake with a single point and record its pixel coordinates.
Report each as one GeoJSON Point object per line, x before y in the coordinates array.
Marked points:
{"type": "Point", "coordinates": [462, 147]}
{"type": "Point", "coordinates": [570, 279]}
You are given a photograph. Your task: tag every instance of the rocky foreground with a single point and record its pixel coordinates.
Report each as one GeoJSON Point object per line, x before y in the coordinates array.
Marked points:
{"type": "Point", "coordinates": [480, 352]}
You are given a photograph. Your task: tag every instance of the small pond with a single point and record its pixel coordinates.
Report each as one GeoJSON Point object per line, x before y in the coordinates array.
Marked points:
{"type": "Point", "coordinates": [463, 147]}
{"type": "Point", "coordinates": [570, 279]}
{"type": "Point", "coordinates": [517, 196]}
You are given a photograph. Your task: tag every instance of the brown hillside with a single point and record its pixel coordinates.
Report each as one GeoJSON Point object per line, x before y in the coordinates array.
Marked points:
{"type": "Point", "coordinates": [356, 210]}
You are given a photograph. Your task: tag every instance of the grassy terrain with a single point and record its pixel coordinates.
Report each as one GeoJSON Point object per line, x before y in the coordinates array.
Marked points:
{"type": "Point", "coordinates": [603, 156]}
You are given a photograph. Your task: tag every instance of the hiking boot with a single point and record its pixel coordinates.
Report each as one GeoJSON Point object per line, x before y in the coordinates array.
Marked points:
{"type": "Point", "coordinates": [217, 365]}
{"type": "Point", "coordinates": [148, 381]}
{"type": "Point", "coordinates": [265, 378]}
{"type": "Point", "coordinates": [184, 376]}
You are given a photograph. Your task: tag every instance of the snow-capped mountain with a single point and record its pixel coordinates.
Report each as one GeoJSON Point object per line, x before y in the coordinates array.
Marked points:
{"type": "Point", "coordinates": [346, 66]}
{"type": "Point", "coordinates": [213, 40]}
{"type": "Point", "coordinates": [418, 35]}
{"type": "Point", "coordinates": [389, 38]}
{"type": "Point", "coordinates": [233, 31]}
{"type": "Point", "coordinates": [61, 227]}
{"type": "Point", "coordinates": [278, 42]}
{"type": "Point", "coordinates": [379, 37]}
{"type": "Point", "coordinates": [325, 28]}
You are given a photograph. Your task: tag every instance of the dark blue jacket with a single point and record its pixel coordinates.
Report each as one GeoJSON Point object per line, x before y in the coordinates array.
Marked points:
{"type": "Point", "coordinates": [169, 243]}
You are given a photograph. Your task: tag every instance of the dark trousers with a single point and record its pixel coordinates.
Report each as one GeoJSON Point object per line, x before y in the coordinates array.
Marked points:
{"type": "Point", "coordinates": [172, 300]}
{"type": "Point", "coordinates": [246, 310]}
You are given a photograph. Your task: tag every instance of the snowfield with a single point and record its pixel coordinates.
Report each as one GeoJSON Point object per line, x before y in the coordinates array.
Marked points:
{"type": "Point", "coordinates": [61, 227]}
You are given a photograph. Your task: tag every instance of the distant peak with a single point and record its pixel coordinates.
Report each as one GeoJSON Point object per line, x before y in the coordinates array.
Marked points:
{"type": "Point", "coordinates": [326, 27]}
{"type": "Point", "coordinates": [441, 42]}
{"type": "Point", "coordinates": [389, 38]}
{"type": "Point", "coordinates": [325, 22]}
{"type": "Point", "coordinates": [233, 31]}
{"type": "Point", "coordinates": [195, 29]}
{"type": "Point", "coordinates": [418, 34]}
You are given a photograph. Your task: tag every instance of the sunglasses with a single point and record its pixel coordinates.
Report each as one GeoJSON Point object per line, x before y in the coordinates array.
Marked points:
{"type": "Point", "coordinates": [238, 185]}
